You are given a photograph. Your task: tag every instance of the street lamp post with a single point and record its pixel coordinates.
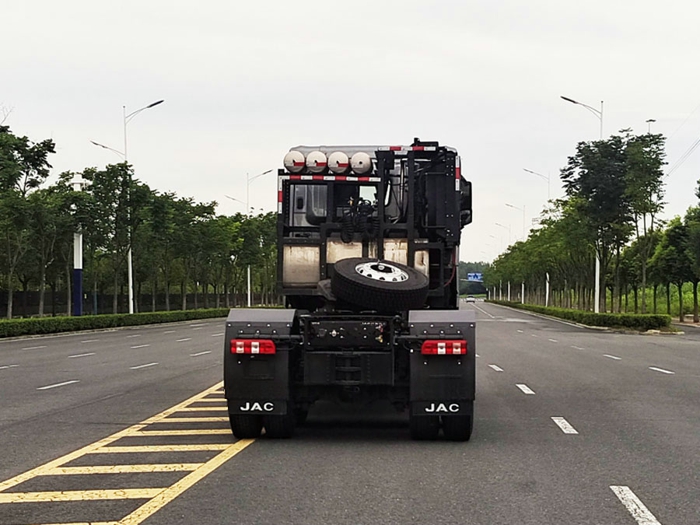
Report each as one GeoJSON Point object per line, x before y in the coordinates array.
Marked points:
{"type": "Point", "coordinates": [547, 178]}
{"type": "Point", "coordinates": [248, 180]}
{"type": "Point", "coordinates": [599, 115]}
{"type": "Point", "coordinates": [522, 210]}
{"type": "Point", "coordinates": [78, 184]}
{"type": "Point", "coordinates": [649, 121]}
{"type": "Point", "coordinates": [129, 256]}
{"type": "Point", "coordinates": [505, 227]}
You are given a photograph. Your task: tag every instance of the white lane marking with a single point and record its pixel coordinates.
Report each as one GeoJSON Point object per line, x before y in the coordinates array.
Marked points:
{"type": "Point", "coordinates": [216, 335]}
{"type": "Point", "coordinates": [58, 384]}
{"type": "Point", "coordinates": [564, 425]}
{"type": "Point", "coordinates": [553, 341]}
{"type": "Point", "coordinates": [477, 355]}
{"type": "Point", "coordinates": [534, 335]}
{"type": "Point", "coordinates": [612, 357]}
{"type": "Point", "coordinates": [198, 328]}
{"type": "Point", "coordinates": [169, 332]}
{"type": "Point", "coordinates": [33, 347]}
{"type": "Point", "coordinates": [484, 311]}
{"type": "Point", "coordinates": [135, 335]}
{"type": "Point", "coordinates": [576, 347]}
{"type": "Point", "coordinates": [81, 355]}
{"type": "Point", "coordinates": [200, 353]}
{"type": "Point", "coordinates": [140, 346]}
{"type": "Point", "coordinates": [185, 339]}
{"type": "Point", "coordinates": [143, 366]}
{"type": "Point", "coordinates": [634, 505]}
{"type": "Point", "coordinates": [661, 370]}
{"type": "Point", "coordinates": [520, 331]}
{"type": "Point", "coordinates": [496, 368]}
{"type": "Point", "coordinates": [526, 389]}
{"type": "Point", "coordinates": [8, 366]}
{"type": "Point", "coordinates": [90, 341]}
{"type": "Point", "coordinates": [198, 324]}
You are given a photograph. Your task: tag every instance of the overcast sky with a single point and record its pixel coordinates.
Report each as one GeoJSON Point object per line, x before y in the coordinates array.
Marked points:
{"type": "Point", "coordinates": [245, 81]}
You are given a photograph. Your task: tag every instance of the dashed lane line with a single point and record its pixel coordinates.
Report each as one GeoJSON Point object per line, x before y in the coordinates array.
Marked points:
{"type": "Point", "coordinates": [197, 325]}
{"type": "Point", "coordinates": [217, 335]}
{"type": "Point", "coordinates": [534, 335]}
{"type": "Point", "coordinates": [520, 331]}
{"type": "Point", "coordinates": [89, 341]}
{"type": "Point", "coordinates": [634, 505]}
{"type": "Point", "coordinates": [553, 341]}
{"type": "Point", "coordinates": [156, 497]}
{"type": "Point", "coordinates": [496, 368]}
{"type": "Point", "coordinates": [33, 347]}
{"type": "Point", "coordinates": [81, 355]}
{"type": "Point", "coordinates": [477, 355]}
{"type": "Point", "coordinates": [133, 335]}
{"type": "Point", "coordinates": [139, 367]}
{"type": "Point", "coordinates": [200, 353]}
{"type": "Point", "coordinates": [8, 366]}
{"type": "Point", "coordinates": [65, 383]}
{"type": "Point", "coordinates": [564, 425]}
{"type": "Point", "coordinates": [169, 332]}
{"type": "Point", "coordinates": [139, 346]}
{"type": "Point", "coordinates": [525, 389]}
{"type": "Point", "coordinates": [661, 370]}
{"type": "Point", "coordinates": [184, 339]}
{"type": "Point", "coordinates": [577, 347]}
{"type": "Point", "coordinates": [612, 357]}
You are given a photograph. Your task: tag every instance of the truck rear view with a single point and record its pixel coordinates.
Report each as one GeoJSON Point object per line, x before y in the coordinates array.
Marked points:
{"type": "Point", "coordinates": [368, 240]}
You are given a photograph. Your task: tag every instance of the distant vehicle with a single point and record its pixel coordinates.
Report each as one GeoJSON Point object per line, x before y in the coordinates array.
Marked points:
{"type": "Point", "coordinates": [368, 242]}
{"type": "Point", "coordinates": [471, 299]}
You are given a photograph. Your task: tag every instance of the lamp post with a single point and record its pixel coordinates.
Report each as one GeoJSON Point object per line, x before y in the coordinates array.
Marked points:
{"type": "Point", "coordinates": [248, 180]}
{"type": "Point", "coordinates": [505, 227]}
{"type": "Point", "coordinates": [522, 210]}
{"type": "Point", "coordinates": [78, 184]}
{"type": "Point", "coordinates": [599, 115]}
{"type": "Point", "coordinates": [129, 256]}
{"type": "Point", "coordinates": [649, 121]}
{"type": "Point", "coordinates": [542, 176]}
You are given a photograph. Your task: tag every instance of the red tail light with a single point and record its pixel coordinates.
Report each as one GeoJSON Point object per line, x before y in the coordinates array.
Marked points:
{"type": "Point", "coordinates": [444, 347]}
{"type": "Point", "coordinates": [253, 346]}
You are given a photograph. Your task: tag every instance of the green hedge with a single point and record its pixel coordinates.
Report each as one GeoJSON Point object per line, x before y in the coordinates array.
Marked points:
{"type": "Point", "coordinates": [52, 325]}
{"type": "Point", "coordinates": [641, 322]}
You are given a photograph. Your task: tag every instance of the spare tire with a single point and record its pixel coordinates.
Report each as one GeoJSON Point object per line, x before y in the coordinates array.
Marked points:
{"type": "Point", "coordinates": [384, 286]}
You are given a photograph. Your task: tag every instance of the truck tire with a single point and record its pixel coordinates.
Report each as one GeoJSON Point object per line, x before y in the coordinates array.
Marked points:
{"type": "Point", "coordinates": [279, 427]}
{"type": "Point", "coordinates": [424, 428]}
{"type": "Point", "coordinates": [457, 428]}
{"type": "Point", "coordinates": [379, 285]}
{"type": "Point", "coordinates": [245, 427]}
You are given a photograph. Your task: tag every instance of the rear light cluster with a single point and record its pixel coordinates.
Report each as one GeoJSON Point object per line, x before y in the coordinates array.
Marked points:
{"type": "Point", "coordinates": [253, 346]}
{"type": "Point", "coordinates": [444, 347]}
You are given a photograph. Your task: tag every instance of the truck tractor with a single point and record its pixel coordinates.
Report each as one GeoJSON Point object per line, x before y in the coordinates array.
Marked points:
{"type": "Point", "coordinates": [368, 253]}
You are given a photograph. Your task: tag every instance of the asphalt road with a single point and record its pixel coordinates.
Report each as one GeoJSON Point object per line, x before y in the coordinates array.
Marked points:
{"type": "Point", "coordinates": [624, 447]}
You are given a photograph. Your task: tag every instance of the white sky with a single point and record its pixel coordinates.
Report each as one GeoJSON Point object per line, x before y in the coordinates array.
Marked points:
{"type": "Point", "coordinates": [245, 81]}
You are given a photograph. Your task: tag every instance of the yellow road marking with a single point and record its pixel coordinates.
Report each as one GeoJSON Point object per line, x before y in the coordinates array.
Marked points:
{"type": "Point", "coordinates": [196, 432]}
{"type": "Point", "coordinates": [160, 448]}
{"type": "Point", "coordinates": [172, 492]}
{"type": "Point", "coordinates": [125, 469]}
{"type": "Point", "coordinates": [213, 419]}
{"type": "Point", "coordinates": [203, 409]}
{"type": "Point", "coordinates": [79, 495]}
{"type": "Point", "coordinates": [41, 470]}
{"type": "Point", "coordinates": [212, 400]}
{"type": "Point", "coordinates": [86, 523]}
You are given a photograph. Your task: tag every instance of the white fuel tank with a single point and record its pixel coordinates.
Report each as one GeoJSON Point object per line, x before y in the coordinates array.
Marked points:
{"type": "Point", "coordinates": [316, 162]}
{"type": "Point", "coordinates": [294, 162]}
{"type": "Point", "coordinates": [338, 162]}
{"type": "Point", "coordinates": [361, 163]}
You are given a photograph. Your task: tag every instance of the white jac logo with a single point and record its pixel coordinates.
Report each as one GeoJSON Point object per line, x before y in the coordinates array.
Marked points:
{"type": "Point", "coordinates": [441, 407]}
{"type": "Point", "coordinates": [257, 407]}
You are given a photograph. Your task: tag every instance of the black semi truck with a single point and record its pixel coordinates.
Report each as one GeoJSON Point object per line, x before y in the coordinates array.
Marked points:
{"type": "Point", "coordinates": [368, 253]}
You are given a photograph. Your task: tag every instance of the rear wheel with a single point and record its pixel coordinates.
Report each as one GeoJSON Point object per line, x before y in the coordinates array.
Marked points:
{"type": "Point", "coordinates": [457, 428]}
{"type": "Point", "coordinates": [279, 427]}
{"type": "Point", "coordinates": [245, 427]}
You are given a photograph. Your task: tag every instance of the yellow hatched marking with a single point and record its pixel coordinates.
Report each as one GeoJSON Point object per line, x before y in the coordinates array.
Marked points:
{"type": "Point", "coordinates": [151, 507]}
{"type": "Point", "coordinates": [86, 523]}
{"type": "Point", "coordinates": [211, 400]}
{"type": "Point", "coordinates": [161, 448]}
{"type": "Point", "coordinates": [203, 409]}
{"type": "Point", "coordinates": [79, 495]}
{"type": "Point", "coordinates": [196, 432]}
{"type": "Point", "coordinates": [213, 419]}
{"type": "Point", "coordinates": [47, 467]}
{"type": "Point", "coordinates": [125, 469]}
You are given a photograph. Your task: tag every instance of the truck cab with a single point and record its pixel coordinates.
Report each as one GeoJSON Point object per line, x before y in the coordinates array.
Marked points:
{"type": "Point", "coordinates": [368, 240]}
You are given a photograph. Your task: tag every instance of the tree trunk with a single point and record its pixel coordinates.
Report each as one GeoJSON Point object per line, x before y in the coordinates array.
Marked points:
{"type": "Point", "coordinates": [696, 318]}
{"type": "Point", "coordinates": [42, 290]}
{"type": "Point", "coordinates": [644, 286]}
{"type": "Point", "coordinates": [183, 292]}
{"type": "Point", "coordinates": [153, 293]}
{"type": "Point", "coordinates": [636, 299]}
{"type": "Point", "coordinates": [681, 317]}
{"type": "Point", "coordinates": [115, 304]}
{"type": "Point", "coordinates": [68, 288]}
{"type": "Point", "coordinates": [668, 298]}
{"type": "Point", "coordinates": [655, 289]}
